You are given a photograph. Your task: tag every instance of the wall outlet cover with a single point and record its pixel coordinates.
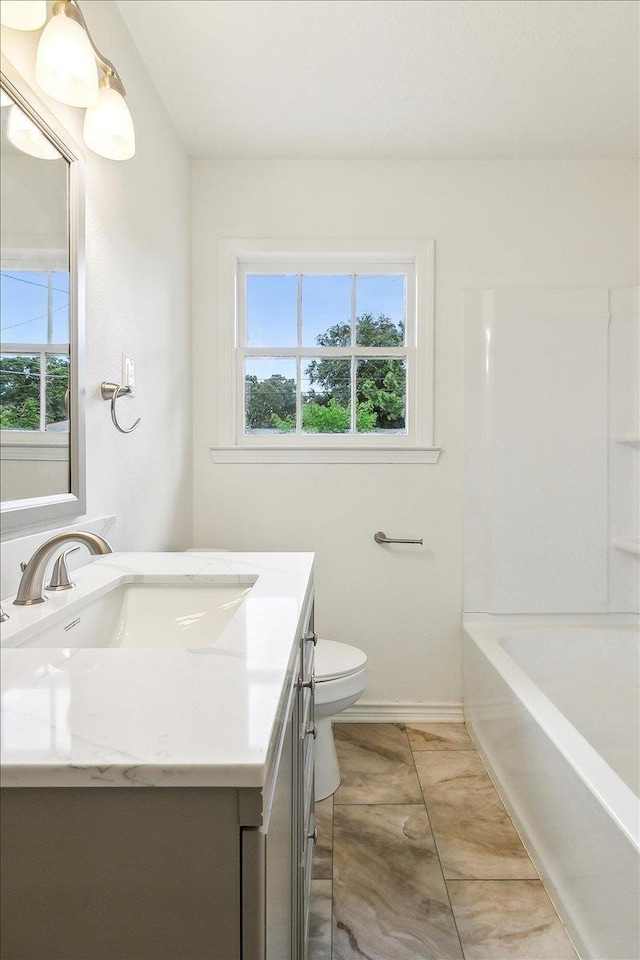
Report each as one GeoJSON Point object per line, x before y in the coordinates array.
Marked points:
{"type": "Point", "coordinates": [128, 372]}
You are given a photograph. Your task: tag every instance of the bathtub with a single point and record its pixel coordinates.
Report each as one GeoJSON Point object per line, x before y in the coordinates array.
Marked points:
{"type": "Point", "coordinates": [552, 704]}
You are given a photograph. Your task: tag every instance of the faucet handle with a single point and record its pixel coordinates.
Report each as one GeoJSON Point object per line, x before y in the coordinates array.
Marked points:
{"type": "Point", "coordinates": [60, 579]}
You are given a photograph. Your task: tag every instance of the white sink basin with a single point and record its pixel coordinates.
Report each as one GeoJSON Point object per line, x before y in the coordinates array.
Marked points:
{"type": "Point", "coordinates": [166, 614]}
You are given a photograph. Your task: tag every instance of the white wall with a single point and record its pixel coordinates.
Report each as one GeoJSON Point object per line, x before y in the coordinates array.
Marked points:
{"type": "Point", "coordinates": [138, 301]}
{"type": "Point", "coordinates": [34, 207]}
{"type": "Point", "coordinates": [511, 224]}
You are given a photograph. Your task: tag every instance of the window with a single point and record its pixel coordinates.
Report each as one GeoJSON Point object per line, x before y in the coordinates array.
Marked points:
{"type": "Point", "coordinates": [324, 353]}
{"type": "Point", "coordinates": [34, 362]}
{"type": "Point", "coordinates": [330, 352]}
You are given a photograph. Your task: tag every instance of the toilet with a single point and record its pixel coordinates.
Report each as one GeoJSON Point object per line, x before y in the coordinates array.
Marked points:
{"type": "Point", "coordinates": [341, 678]}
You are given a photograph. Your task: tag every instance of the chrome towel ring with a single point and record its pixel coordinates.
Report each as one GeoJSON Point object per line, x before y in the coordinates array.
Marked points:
{"type": "Point", "coordinates": [112, 391]}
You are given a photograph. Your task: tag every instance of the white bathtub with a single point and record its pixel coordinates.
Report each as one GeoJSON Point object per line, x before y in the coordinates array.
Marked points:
{"type": "Point", "coordinates": [552, 703]}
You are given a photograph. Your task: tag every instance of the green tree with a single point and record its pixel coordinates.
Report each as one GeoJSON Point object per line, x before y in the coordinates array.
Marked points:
{"type": "Point", "coordinates": [382, 383]}
{"type": "Point", "coordinates": [275, 396]}
{"type": "Point", "coordinates": [57, 372]}
{"type": "Point", "coordinates": [380, 390]}
{"type": "Point", "coordinates": [329, 418]}
{"type": "Point", "coordinates": [384, 389]}
{"type": "Point", "coordinates": [20, 392]}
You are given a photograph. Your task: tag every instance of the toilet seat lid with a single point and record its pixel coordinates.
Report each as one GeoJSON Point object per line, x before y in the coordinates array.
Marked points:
{"type": "Point", "coordinates": [333, 659]}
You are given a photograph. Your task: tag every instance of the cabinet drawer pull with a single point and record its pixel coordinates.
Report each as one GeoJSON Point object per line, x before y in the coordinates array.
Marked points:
{"type": "Point", "coordinates": [307, 684]}
{"type": "Point", "coordinates": [311, 637]}
{"type": "Point", "coordinates": [312, 731]}
{"type": "Point", "coordinates": [313, 836]}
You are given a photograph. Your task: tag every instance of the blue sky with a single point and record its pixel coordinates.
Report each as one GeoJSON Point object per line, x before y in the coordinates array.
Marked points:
{"type": "Point", "coordinates": [326, 300]}
{"type": "Point", "coordinates": [23, 307]}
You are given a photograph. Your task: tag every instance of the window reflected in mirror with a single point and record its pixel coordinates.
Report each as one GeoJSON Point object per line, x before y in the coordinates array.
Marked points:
{"type": "Point", "coordinates": [35, 311]}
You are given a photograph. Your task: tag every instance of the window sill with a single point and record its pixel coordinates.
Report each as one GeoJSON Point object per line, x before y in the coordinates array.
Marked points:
{"type": "Point", "coordinates": [24, 445]}
{"type": "Point", "coordinates": [325, 455]}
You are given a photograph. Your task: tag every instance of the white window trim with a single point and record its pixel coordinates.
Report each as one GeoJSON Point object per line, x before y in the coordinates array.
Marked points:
{"type": "Point", "coordinates": [34, 254]}
{"type": "Point", "coordinates": [34, 445]}
{"type": "Point", "coordinates": [417, 447]}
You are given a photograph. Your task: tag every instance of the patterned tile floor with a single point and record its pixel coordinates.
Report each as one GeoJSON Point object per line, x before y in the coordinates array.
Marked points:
{"type": "Point", "coordinates": [418, 859]}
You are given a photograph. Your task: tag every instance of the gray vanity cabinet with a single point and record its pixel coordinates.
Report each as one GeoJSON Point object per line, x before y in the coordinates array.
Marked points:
{"type": "Point", "coordinates": [168, 873]}
{"type": "Point", "coordinates": [276, 918]}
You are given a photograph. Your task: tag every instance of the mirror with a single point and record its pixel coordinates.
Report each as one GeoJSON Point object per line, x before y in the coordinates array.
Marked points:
{"type": "Point", "coordinates": [41, 263]}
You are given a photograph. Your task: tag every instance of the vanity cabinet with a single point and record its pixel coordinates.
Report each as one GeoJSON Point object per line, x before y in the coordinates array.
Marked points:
{"type": "Point", "coordinates": [169, 873]}
{"type": "Point", "coordinates": [276, 920]}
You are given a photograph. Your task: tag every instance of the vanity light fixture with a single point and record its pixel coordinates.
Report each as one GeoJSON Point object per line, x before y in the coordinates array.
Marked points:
{"type": "Point", "coordinates": [67, 65]}
{"type": "Point", "coordinates": [27, 137]}
{"type": "Point", "coordinates": [108, 127]}
{"type": "Point", "coordinates": [23, 14]}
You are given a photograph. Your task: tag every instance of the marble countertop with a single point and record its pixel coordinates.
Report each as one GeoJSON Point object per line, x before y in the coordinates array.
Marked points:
{"type": "Point", "coordinates": [115, 716]}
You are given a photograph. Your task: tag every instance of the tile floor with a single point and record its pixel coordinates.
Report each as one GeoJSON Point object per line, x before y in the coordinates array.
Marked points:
{"type": "Point", "coordinates": [418, 859]}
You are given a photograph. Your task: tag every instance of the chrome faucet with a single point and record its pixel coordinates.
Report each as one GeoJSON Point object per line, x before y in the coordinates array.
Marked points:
{"type": "Point", "coordinates": [31, 589]}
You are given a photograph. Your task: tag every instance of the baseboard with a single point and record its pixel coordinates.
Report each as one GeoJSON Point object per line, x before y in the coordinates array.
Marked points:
{"type": "Point", "coordinates": [398, 711]}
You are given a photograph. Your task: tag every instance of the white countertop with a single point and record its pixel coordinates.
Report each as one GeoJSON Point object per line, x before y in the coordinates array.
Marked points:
{"type": "Point", "coordinates": [154, 717]}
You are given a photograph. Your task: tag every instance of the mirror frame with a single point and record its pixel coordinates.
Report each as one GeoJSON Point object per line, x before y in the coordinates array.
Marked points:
{"type": "Point", "coordinates": [59, 508]}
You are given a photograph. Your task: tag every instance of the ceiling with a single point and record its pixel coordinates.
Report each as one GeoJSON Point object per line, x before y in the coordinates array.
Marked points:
{"type": "Point", "coordinates": [395, 79]}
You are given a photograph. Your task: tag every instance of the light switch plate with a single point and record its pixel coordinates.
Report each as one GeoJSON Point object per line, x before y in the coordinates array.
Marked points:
{"type": "Point", "coordinates": [128, 372]}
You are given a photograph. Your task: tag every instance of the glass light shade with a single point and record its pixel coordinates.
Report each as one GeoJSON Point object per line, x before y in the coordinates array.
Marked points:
{"type": "Point", "coordinates": [66, 64]}
{"type": "Point", "coordinates": [23, 14]}
{"type": "Point", "coordinates": [23, 134]}
{"type": "Point", "coordinates": [108, 127]}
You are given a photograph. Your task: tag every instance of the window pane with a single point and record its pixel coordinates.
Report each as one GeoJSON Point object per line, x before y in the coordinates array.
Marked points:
{"type": "Point", "coordinates": [326, 396]}
{"type": "Point", "coordinates": [272, 311]}
{"type": "Point", "coordinates": [381, 396]}
{"type": "Point", "coordinates": [24, 307]}
{"type": "Point", "coordinates": [269, 395]}
{"type": "Point", "coordinates": [57, 392]}
{"type": "Point", "coordinates": [380, 311]}
{"type": "Point", "coordinates": [28, 316]}
{"type": "Point", "coordinates": [19, 392]}
{"type": "Point", "coordinates": [326, 311]}
{"type": "Point", "coordinates": [60, 315]}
